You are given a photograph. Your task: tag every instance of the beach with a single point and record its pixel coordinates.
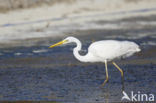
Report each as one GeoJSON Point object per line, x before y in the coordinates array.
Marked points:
{"type": "Point", "coordinates": [30, 71]}
{"type": "Point", "coordinates": [63, 19]}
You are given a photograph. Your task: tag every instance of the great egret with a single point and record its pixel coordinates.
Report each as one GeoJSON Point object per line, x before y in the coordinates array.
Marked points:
{"type": "Point", "coordinates": [103, 51]}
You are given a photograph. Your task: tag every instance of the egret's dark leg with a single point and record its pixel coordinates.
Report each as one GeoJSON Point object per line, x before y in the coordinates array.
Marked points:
{"type": "Point", "coordinates": [106, 74]}
{"type": "Point", "coordinates": [122, 73]}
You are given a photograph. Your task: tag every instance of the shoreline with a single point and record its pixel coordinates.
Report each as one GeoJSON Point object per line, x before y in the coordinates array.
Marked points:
{"type": "Point", "coordinates": [40, 22]}
{"type": "Point", "coordinates": [122, 29]}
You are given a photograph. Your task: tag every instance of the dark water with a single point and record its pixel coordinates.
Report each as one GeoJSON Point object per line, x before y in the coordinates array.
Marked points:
{"type": "Point", "coordinates": [40, 74]}
{"type": "Point", "coordinates": [56, 75]}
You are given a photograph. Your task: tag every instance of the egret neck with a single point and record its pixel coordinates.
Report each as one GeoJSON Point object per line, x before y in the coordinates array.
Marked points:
{"type": "Point", "coordinates": [76, 53]}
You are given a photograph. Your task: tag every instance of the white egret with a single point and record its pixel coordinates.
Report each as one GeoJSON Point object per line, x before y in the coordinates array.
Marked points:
{"type": "Point", "coordinates": [103, 51]}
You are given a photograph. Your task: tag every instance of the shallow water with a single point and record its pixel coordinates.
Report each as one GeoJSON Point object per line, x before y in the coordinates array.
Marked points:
{"type": "Point", "coordinates": [38, 73]}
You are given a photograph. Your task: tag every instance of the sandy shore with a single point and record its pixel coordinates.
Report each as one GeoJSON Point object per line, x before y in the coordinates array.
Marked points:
{"type": "Point", "coordinates": [59, 19]}
{"type": "Point", "coordinates": [29, 70]}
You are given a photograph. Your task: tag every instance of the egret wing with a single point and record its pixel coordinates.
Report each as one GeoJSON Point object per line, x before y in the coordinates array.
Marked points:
{"type": "Point", "coordinates": [111, 49]}
{"type": "Point", "coordinates": [108, 49]}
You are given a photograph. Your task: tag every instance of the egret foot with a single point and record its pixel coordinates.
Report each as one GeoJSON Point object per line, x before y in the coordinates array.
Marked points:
{"type": "Point", "coordinates": [122, 74]}
{"type": "Point", "coordinates": [103, 84]}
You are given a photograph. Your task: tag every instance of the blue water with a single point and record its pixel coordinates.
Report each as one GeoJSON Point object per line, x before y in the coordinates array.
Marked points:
{"type": "Point", "coordinates": [56, 75]}
{"type": "Point", "coordinates": [39, 73]}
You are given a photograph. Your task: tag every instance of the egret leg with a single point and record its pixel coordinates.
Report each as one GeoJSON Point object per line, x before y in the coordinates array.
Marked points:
{"type": "Point", "coordinates": [106, 74]}
{"type": "Point", "coordinates": [122, 73]}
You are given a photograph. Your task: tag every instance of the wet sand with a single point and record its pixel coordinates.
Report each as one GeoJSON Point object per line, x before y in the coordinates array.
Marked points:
{"type": "Point", "coordinates": [30, 73]}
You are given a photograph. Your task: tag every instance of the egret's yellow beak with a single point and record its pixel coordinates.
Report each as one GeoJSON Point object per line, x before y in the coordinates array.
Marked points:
{"type": "Point", "coordinates": [59, 43]}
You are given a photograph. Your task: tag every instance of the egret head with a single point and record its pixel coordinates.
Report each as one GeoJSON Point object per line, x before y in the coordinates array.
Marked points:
{"type": "Point", "coordinates": [65, 41]}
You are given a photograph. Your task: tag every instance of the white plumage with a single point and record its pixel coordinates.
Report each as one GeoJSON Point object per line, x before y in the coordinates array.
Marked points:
{"type": "Point", "coordinates": [103, 51]}
{"type": "Point", "coordinates": [112, 49]}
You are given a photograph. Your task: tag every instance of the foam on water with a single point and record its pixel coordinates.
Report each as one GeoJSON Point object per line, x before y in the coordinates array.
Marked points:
{"type": "Point", "coordinates": [17, 54]}
{"type": "Point", "coordinates": [40, 51]}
